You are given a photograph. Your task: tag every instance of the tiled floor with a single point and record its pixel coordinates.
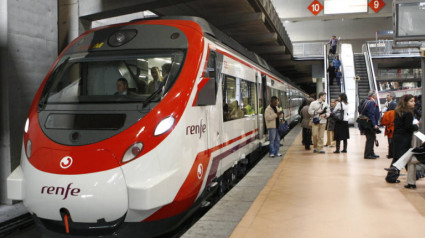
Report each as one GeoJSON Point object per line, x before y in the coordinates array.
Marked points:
{"type": "Point", "coordinates": [335, 195]}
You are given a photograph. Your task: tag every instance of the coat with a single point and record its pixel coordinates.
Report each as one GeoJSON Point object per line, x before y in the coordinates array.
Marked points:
{"type": "Point", "coordinates": [305, 123]}
{"type": "Point", "coordinates": [270, 117]}
{"type": "Point", "coordinates": [387, 120]}
{"type": "Point", "coordinates": [315, 106]}
{"type": "Point", "coordinates": [371, 110]}
{"type": "Point", "coordinates": [403, 133]}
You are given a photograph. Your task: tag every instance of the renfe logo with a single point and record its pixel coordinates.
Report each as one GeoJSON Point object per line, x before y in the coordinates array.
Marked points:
{"type": "Point", "coordinates": [60, 191]}
{"type": "Point", "coordinates": [66, 162]}
{"type": "Point", "coordinates": [196, 129]}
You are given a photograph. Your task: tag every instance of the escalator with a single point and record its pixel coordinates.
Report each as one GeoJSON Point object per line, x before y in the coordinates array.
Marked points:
{"type": "Point", "coordinates": [361, 71]}
{"type": "Point", "coordinates": [334, 89]}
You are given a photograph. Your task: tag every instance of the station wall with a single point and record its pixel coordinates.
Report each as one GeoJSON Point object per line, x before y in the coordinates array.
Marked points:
{"type": "Point", "coordinates": [29, 47]}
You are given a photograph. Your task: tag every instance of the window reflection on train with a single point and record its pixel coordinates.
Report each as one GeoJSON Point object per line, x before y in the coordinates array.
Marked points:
{"type": "Point", "coordinates": [239, 98]}
{"type": "Point", "coordinates": [93, 79]}
{"type": "Point", "coordinates": [290, 101]}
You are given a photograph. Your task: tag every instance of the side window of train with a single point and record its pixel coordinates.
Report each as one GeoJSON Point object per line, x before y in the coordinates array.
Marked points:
{"type": "Point", "coordinates": [239, 98]}
{"type": "Point", "coordinates": [249, 98]}
{"type": "Point", "coordinates": [207, 95]}
{"type": "Point", "coordinates": [229, 96]}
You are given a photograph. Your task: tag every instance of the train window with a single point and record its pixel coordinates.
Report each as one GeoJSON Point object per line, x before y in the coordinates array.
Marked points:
{"type": "Point", "coordinates": [249, 98]}
{"type": "Point", "coordinates": [239, 98]}
{"type": "Point", "coordinates": [114, 77]}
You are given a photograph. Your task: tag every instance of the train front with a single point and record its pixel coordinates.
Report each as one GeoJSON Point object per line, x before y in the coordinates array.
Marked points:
{"type": "Point", "coordinates": [88, 164]}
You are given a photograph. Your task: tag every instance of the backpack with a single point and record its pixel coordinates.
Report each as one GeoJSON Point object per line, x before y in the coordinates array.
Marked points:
{"type": "Point", "coordinates": [360, 107]}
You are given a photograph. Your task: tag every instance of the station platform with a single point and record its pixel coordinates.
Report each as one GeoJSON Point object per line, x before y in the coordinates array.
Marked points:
{"type": "Point", "coordinates": [306, 194]}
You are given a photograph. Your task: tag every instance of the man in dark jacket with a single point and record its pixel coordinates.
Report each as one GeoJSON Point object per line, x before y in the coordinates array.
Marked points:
{"type": "Point", "coordinates": [371, 110]}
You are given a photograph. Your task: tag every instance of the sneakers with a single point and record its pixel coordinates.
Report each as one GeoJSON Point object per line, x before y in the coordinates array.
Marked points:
{"type": "Point", "coordinates": [279, 155]}
{"type": "Point", "coordinates": [271, 156]}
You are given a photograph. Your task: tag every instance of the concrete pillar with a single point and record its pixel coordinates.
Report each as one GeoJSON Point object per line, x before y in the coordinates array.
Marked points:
{"type": "Point", "coordinates": [319, 86]}
{"type": "Point", "coordinates": [68, 24]}
{"type": "Point", "coordinates": [5, 168]}
{"type": "Point", "coordinates": [422, 125]}
{"type": "Point", "coordinates": [29, 47]}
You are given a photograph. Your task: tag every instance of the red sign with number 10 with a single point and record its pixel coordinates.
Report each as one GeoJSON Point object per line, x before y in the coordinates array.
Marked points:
{"type": "Point", "coordinates": [315, 7]}
{"type": "Point", "coordinates": [376, 5]}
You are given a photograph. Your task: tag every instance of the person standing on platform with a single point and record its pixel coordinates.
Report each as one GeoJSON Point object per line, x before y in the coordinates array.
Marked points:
{"type": "Point", "coordinates": [319, 110]}
{"type": "Point", "coordinates": [330, 127]}
{"type": "Point", "coordinates": [341, 130]}
{"type": "Point", "coordinates": [404, 126]}
{"type": "Point", "coordinates": [387, 120]}
{"type": "Point", "coordinates": [305, 123]}
{"type": "Point", "coordinates": [370, 109]}
{"type": "Point", "coordinates": [272, 116]}
{"type": "Point", "coordinates": [390, 104]}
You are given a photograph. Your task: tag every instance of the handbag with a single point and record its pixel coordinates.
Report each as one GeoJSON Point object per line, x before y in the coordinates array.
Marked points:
{"type": "Point", "coordinates": [283, 129]}
{"type": "Point", "coordinates": [339, 115]}
{"type": "Point", "coordinates": [316, 120]}
{"type": "Point", "coordinates": [364, 122]}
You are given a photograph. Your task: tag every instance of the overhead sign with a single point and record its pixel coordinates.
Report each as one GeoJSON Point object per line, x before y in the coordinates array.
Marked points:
{"type": "Point", "coordinates": [344, 6]}
{"type": "Point", "coordinates": [315, 7]}
{"type": "Point", "coordinates": [376, 5]}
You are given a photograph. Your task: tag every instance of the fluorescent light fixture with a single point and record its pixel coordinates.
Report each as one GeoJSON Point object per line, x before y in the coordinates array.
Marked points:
{"type": "Point", "coordinates": [345, 6]}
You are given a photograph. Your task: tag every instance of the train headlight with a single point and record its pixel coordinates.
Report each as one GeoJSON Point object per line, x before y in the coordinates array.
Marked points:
{"type": "Point", "coordinates": [28, 148]}
{"type": "Point", "coordinates": [164, 126]}
{"type": "Point", "coordinates": [27, 125]}
{"type": "Point", "coordinates": [132, 152]}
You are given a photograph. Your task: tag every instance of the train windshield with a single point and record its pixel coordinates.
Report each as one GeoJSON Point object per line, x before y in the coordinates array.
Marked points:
{"type": "Point", "coordinates": [106, 77]}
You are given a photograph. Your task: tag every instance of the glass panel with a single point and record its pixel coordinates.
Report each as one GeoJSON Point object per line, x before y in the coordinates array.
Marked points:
{"type": "Point", "coordinates": [85, 121]}
{"type": "Point", "coordinates": [111, 79]}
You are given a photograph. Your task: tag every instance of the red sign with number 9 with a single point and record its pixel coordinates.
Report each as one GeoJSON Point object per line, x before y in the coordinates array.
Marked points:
{"type": "Point", "coordinates": [376, 5]}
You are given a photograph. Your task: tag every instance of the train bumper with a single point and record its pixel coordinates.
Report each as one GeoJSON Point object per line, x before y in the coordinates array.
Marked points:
{"type": "Point", "coordinates": [88, 198]}
{"type": "Point", "coordinates": [15, 190]}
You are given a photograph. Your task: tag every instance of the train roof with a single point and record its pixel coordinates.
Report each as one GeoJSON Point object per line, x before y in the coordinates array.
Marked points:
{"type": "Point", "coordinates": [213, 31]}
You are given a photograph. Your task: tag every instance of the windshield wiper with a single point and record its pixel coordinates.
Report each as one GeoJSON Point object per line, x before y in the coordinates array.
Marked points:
{"type": "Point", "coordinates": [153, 95]}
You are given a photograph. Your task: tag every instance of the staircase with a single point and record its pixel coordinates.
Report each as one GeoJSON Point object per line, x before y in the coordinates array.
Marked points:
{"type": "Point", "coordinates": [361, 71]}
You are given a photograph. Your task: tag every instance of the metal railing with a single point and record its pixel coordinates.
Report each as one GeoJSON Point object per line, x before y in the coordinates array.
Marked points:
{"type": "Point", "coordinates": [385, 48]}
{"type": "Point", "coordinates": [371, 71]}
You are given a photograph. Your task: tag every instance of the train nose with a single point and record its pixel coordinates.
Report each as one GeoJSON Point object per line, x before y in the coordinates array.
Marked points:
{"type": "Point", "coordinates": [89, 197]}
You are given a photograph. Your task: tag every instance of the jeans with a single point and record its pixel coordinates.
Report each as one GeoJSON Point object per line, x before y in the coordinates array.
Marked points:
{"type": "Point", "coordinates": [274, 141]}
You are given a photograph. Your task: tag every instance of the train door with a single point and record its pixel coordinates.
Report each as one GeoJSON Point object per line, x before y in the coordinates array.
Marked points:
{"type": "Point", "coordinates": [213, 112]}
{"type": "Point", "coordinates": [261, 81]}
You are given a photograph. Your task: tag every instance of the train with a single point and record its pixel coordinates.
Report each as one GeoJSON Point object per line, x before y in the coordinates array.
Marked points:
{"type": "Point", "coordinates": [136, 124]}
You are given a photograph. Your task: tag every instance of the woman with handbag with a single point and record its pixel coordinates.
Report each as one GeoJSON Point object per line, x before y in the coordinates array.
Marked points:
{"type": "Point", "coordinates": [404, 126]}
{"type": "Point", "coordinates": [341, 130]}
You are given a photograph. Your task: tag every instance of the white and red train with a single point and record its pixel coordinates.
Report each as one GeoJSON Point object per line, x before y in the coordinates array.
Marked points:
{"type": "Point", "coordinates": [97, 163]}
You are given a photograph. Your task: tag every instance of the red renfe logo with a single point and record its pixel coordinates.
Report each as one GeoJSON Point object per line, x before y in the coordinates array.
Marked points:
{"type": "Point", "coordinates": [196, 129]}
